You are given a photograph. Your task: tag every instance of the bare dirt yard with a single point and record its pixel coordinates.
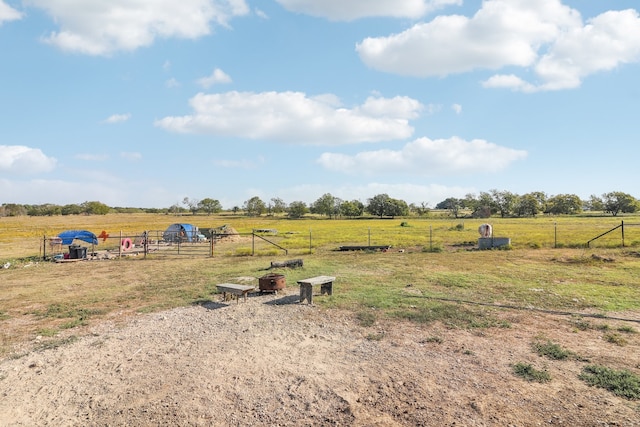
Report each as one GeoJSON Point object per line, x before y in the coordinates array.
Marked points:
{"type": "Point", "coordinates": [271, 361]}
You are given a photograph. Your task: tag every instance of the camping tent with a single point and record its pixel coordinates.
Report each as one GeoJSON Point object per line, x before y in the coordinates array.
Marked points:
{"type": "Point", "coordinates": [180, 233]}
{"type": "Point", "coordinates": [70, 235]}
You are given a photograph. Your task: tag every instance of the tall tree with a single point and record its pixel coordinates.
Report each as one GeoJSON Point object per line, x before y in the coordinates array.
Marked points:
{"type": "Point", "coordinates": [352, 208]}
{"type": "Point", "coordinates": [297, 209]}
{"type": "Point", "coordinates": [617, 202]}
{"type": "Point", "coordinates": [277, 205]}
{"type": "Point", "coordinates": [210, 205]}
{"type": "Point", "coordinates": [377, 205]}
{"type": "Point", "coordinates": [324, 205]}
{"type": "Point", "coordinates": [254, 206]}
{"type": "Point", "coordinates": [564, 204]}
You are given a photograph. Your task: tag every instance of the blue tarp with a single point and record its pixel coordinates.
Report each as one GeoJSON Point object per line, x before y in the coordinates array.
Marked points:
{"type": "Point", "coordinates": [70, 235]}
{"type": "Point", "coordinates": [180, 233]}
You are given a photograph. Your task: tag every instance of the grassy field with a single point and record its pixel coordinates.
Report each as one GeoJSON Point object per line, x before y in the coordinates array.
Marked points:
{"type": "Point", "coordinates": [547, 268]}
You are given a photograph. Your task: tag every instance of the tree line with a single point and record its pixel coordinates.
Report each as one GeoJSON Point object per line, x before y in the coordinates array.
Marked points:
{"type": "Point", "coordinates": [483, 205]}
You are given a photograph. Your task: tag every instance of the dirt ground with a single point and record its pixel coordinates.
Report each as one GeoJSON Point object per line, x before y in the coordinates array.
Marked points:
{"type": "Point", "coordinates": [271, 361]}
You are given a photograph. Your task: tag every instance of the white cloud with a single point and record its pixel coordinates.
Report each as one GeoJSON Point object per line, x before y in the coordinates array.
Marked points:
{"type": "Point", "coordinates": [261, 14]}
{"type": "Point", "coordinates": [501, 33]}
{"type": "Point", "coordinates": [235, 164]}
{"type": "Point", "coordinates": [171, 83]}
{"type": "Point", "coordinates": [132, 156]}
{"type": "Point", "coordinates": [426, 157]}
{"type": "Point", "coordinates": [92, 157]}
{"type": "Point", "coordinates": [457, 108]}
{"type": "Point", "coordinates": [295, 118]}
{"type": "Point", "coordinates": [102, 27]}
{"type": "Point", "coordinates": [217, 77]}
{"type": "Point", "coordinates": [340, 10]}
{"type": "Point", "coordinates": [117, 118]}
{"type": "Point", "coordinates": [545, 37]}
{"type": "Point", "coordinates": [7, 13]}
{"type": "Point", "coordinates": [21, 160]}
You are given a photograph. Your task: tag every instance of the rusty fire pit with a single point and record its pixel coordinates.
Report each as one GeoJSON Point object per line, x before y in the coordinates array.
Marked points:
{"type": "Point", "coordinates": [272, 282]}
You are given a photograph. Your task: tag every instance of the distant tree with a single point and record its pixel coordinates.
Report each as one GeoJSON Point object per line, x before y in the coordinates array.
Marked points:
{"type": "Point", "coordinates": [397, 207]}
{"type": "Point", "coordinates": [71, 210]}
{"type": "Point", "coordinates": [504, 201]}
{"type": "Point", "coordinates": [564, 204]}
{"type": "Point", "coordinates": [277, 205]}
{"type": "Point", "coordinates": [324, 205]}
{"type": "Point", "coordinates": [352, 208]}
{"type": "Point", "coordinates": [297, 209]}
{"type": "Point", "coordinates": [209, 205]}
{"type": "Point", "coordinates": [594, 203]}
{"type": "Point", "coordinates": [616, 202]}
{"type": "Point", "coordinates": [377, 205]}
{"type": "Point", "coordinates": [235, 209]}
{"type": "Point", "coordinates": [527, 205]}
{"type": "Point", "coordinates": [484, 206]}
{"type": "Point", "coordinates": [422, 210]}
{"type": "Point", "coordinates": [192, 204]}
{"type": "Point", "coordinates": [254, 206]}
{"type": "Point", "coordinates": [95, 208]}
{"type": "Point", "coordinates": [452, 205]}
{"type": "Point", "coordinates": [12, 209]}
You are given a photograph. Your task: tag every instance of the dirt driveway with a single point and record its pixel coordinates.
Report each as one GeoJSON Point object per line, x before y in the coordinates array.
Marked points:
{"type": "Point", "coordinates": [271, 361]}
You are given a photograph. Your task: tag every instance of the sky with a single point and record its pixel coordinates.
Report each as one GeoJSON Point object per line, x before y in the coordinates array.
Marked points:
{"type": "Point", "coordinates": [143, 103]}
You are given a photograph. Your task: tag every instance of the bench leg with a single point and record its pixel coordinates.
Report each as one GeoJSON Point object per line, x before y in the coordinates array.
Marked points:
{"type": "Point", "coordinates": [306, 292]}
{"type": "Point", "coordinates": [326, 288]}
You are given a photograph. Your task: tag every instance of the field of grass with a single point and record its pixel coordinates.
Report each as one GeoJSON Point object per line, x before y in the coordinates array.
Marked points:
{"type": "Point", "coordinates": [458, 285]}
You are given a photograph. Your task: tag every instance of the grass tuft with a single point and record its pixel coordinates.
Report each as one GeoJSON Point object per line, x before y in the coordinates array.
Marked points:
{"type": "Point", "coordinates": [529, 373]}
{"type": "Point", "coordinates": [551, 350]}
{"type": "Point", "coordinates": [622, 383]}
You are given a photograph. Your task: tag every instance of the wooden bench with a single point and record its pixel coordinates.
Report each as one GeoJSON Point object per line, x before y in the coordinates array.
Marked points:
{"type": "Point", "coordinates": [235, 290]}
{"type": "Point", "coordinates": [306, 287]}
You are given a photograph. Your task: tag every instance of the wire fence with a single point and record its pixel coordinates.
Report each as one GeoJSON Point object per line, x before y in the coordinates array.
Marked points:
{"type": "Point", "coordinates": [339, 235]}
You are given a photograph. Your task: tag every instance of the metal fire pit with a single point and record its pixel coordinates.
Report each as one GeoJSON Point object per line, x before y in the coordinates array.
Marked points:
{"type": "Point", "coordinates": [272, 282]}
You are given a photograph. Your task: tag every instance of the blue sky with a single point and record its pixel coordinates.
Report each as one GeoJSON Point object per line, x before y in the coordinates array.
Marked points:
{"type": "Point", "coordinates": [145, 102]}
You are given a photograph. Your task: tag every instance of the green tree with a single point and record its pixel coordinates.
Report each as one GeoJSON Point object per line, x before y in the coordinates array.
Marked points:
{"type": "Point", "coordinates": [564, 204]}
{"type": "Point", "coordinates": [595, 203]}
{"type": "Point", "coordinates": [192, 204]}
{"type": "Point", "coordinates": [397, 207]}
{"type": "Point", "coordinates": [210, 205]}
{"type": "Point", "coordinates": [277, 205]}
{"type": "Point", "coordinates": [352, 208]}
{"type": "Point", "coordinates": [452, 205]}
{"type": "Point", "coordinates": [254, 206]}
{"type": "Point", "coordinates": [13, 209]}
{"type": "Point", "coordinates": [71, 209]}
{"type": "Point", "coordinates": [297, 209]}
{"type": "Point", "coordinates": [616, 202]}
{"type": "Point", "coordinates": [324, 205]}
{"type": "Point", "coordinates": [95, 208]}
{"type": "Point", "coordinates": [504, 201]}
{"type": "Point", "coordinates": [377, 205]}
{"type": "Point", "coordinates": [422, 210]}
{"type": "Point", "coordinates": [527, 205]}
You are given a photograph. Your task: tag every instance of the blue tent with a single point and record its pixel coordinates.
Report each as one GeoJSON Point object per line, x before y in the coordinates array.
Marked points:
{"type": "Point", "coordinates": [180, 233]}
{"type": "Point", "coordinates": [70, 235]}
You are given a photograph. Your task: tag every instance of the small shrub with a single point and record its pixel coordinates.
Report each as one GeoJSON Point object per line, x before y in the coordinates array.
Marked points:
{"type": "Point", "coordinates": [404, 224]}
{"type": "Point", "coordinates": [622, 383]}
{"type": "Point", "coordinates": [551, 350]}
{"type": "Point", "coordinates": [375, 337]}
{"type": "Point", "coordinates": [366, 318]}
{"type": "Point", "coordinates": [437, 340]}
{"type": "Point", "coordinates": [529, 373]}
{"type": "Point", "coordinates": [627, 329]}
{"type": "Point", "coordinates": [615, 338]}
